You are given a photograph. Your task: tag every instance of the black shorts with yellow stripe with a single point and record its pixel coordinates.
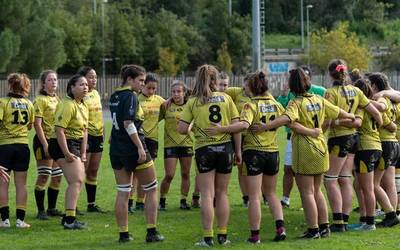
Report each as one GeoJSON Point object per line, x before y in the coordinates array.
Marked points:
{"type": "Point", "coordinates": [218, 157]}
{"type": "Point", "coordinates": [130, 162]}
{"type": "Point", "coordinates": [342, 145]}
{"type": "Point", "coordinates": [259, 162]}
{"type": "Point", "coordinates": [38, 149]}
{"type": "Point", "coordinates": [178, 152]}
{"type": "Point", "coordinates": [152, 147]}
{"type": "Point", "coordinates": [366, 161]}
{"type": "Point", "coordinates": [15, 157]}
{"type": "Point", "coordinates": [95, 144]}
{"type": "Point", "coordinates": [74, 147]}
{"type": "Point", "coordinates": [390, 153]}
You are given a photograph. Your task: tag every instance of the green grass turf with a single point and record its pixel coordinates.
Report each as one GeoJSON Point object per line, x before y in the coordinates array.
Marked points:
{"type": "Point", "coordinates": [180, 228]}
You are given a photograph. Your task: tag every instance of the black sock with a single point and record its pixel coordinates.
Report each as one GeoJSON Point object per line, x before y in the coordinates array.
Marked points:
{"type": "Point", "coordinates": [390, 215]}
{"type": "Point", "coordinates": [52, 195]}
{"type": "Point", "coordinates": [183, 201]}
{"type": "Point", "coordinates": [151, 230]}
{"type": "Point", "coordinates": [5, 213]}
{"type": "Point", "coordinates": [323, 226]}
{"type": "Point", "coordinates": [370, 220]}
{"type": "Point", "coordinates": [338, 219]}
{"type": "Point", "coordinates": [130, 202]}
{"type": "Point", "coordinates": [195, 197]}
{"type": "Point", "coordinates": [397, 212]}
{"type": "Point", "coordinates": [163, 200]}
{"type": "Point", "coordinates": [345, 218]}
{"type": "Point", "coordinates": [245, 198]}
{"type": "Point", "coordinates": [313, 231]}
{"type": "Point", "coordinates": [123, 235]}
{"type": "Point", "coordinates": [20, 214]}
{"type": "Point", "coordinates": [39, 197]}
{"type": "Point", "coordinates": [91, 193]}
{"type": "Point", "coordinates": [69, 219]}
{"type": "Point", "coordinates": [208, 239]}
{"type": "Point", "coordinates": [363, 219]}
{"type": "Point", "coordinates": [255, 232]}
{"type": "Point", "coordinates": [279, 224]}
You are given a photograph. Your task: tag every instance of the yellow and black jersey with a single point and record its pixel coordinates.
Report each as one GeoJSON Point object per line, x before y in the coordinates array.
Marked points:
{"type": "Point", "coordinates": [45, 108]}
{"type": "Point", "coordinates": [16, 114]}
{"type": "Point", "coordinates": [238, 96]}
{"type": "Point", "coordinates": [172, 138]}
{"type": "Point", "coordinates": [73, 117]}
{"type": "Point", "coordinates": [93, 102]}
{"type": "Point", "coordinates": [391, 113]}
{"type": "Point", "coordinates": [348, 98]}
{"type": "Point", "coordinates": [218, 109]}
{"type": "Point", "coordinates": [310, 155]}
{"type": "Point", "coordinates": [261, 109]}
{"type": "Point", "coordinates": [151, 109]}
{"type": "Point", "coordinates": [369, 134]}
{"type": "Point", "coordinates": [398, 121]}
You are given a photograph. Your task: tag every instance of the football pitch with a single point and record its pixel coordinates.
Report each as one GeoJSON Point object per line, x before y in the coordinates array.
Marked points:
{"type": "Point", "coordinates": [180, 228]}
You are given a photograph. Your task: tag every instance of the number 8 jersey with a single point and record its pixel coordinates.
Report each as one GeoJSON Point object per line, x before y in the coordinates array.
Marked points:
{"type": "Point", "coordinates": [16, 113]}
{"type": "Point", "coordinates": [219, 109]}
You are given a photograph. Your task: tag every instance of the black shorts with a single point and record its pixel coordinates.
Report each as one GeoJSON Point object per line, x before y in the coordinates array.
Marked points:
{"type": "Point", "coordinates": [15, 157]}
{"type": "Point", "coordinates": [74, 147]}
{"type": "Point", "coordinates": [129, 162]}
{"type": "Point", "coordinates": [218, 157]}
{"type": "Point", "coordinates": [259, 162]}
{"type": "Point", "coordinates": [95, 144]}
{"type": "Point", "coordinates": [343, 145]}
{"type": "Point", "coordinates": [366, 161]}
{"type": "Point", "coordinates": [38, 149]}
{"type": "Point", "coordinates": [152, 147]}
{"type": "Point", "coordinates": [390, 153]}
{"type": "Point", "coordinates": [178, 152]}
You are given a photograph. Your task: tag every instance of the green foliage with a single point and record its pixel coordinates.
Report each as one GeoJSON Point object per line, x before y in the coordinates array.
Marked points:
{"type": "Point", "coordinates": [224, 62]}
{"type": "Point", "coordinates": [338, 43]}
{"type": "Point", "coordinates": [167, 62]}
{"type": "Point", "coordinates": [9, 47]}
{"type": "Point", "coordinates": [391, 61]}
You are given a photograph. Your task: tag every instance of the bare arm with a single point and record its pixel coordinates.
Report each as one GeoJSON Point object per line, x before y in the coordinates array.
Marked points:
{"type": "Point", "coordinates": [84, 145]}
{"type": "Point", "coordinates": [135, 139]}
{"type": "Point", "coordinates": [392, 127]}
{"type": "Point", "coordinates": [234, 127]}
{"type": "Point", "coordinates": [40, 134]}
{"type": "Point", "coordinates": [237, 138]}
{"type": "Point", "coordinates": [183, 128]}
{"type": "Point", "coordinates": [302, 130]}
{"type": "Point", "coordinates": [348, 123]}
{"type": "Point", "coordinates": [374, 112]}
{"type": "Point", "coordinates": [392, 94]}
{"type": "Point", "coordinates": [62, 142]}
{"type": "Point", "coordinates": [378, 105]}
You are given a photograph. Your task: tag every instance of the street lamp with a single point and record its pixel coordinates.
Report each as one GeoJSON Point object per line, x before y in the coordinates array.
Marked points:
{"type": "Point", "coordinates": [104, 40]}
{"type": "Point", "coordinates": [308, 7]}
{"type": "Point", "coordinates": [302, 24]}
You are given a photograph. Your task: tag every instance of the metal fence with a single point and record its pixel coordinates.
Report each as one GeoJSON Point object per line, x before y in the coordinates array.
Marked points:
{"type": "Point", "coordinates": [106, 86]}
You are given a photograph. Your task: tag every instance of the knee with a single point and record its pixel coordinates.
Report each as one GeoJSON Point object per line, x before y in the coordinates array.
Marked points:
{"type": "Point", "coordinates": [168, 178]}
{"type": "Point", "coordinates": [288, 172]}
{"type": "Point", "coordinates": [42, 180]}
{"type": "Point", "coordinates": [56, 180]}
{"type": "Point", "coordinates": [185, 176]}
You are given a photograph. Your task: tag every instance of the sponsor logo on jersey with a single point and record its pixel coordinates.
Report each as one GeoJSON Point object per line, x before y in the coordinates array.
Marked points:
{"type": "Point", "coordinates": [348, 93]}
{"type": "Point", "coordinates": [313, 107]}
{"type": "Point", "coordinates": [268, 108]}
{"type": "Point", "coordinates": [215, 99]}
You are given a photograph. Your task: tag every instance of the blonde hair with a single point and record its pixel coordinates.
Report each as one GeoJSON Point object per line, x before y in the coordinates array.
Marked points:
{"type": "Point", "coordinates": [19, 83]}
{"type": "Point", "coordinates": [206, 80]}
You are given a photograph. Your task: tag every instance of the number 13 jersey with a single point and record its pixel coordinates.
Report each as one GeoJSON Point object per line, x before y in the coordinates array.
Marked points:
{"type": "Point", "coordinates": [219, 109]}
{"type": "Point", "coordinates": [16, 113]}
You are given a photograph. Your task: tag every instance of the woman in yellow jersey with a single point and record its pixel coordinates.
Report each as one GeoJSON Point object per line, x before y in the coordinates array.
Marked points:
{"type": "Point", "coordinates": [95, 138]}
{"type": "Point", "coordinates": [45, 107]}
{"type": "Point", "coordinates": [310, 154]}
{"type": "Point", "coordinates": [128, 153]}
{"type": "Point", "coordinates": [67, 145]}
{"type": "Point", "coordinates": [150, 103]}
{"type": "Point", "coordinates": [176, 146]}
{"type": "Point", "coordinates": [342, 144]}
{"type": "Point", "coordinates": [240, 96]}
{"type": "Point", "coordinates": [213, 154]}
{"type": "Point", "coordinates": [260, 154]}
{"type": "Point", "coordinates": [16, 119]}
{"type": "Point", "coordinates": [367, 158]}
{"type": "Point", "coordinates": [385, 174]}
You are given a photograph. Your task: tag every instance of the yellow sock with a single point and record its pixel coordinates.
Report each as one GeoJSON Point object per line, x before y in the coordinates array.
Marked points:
{"type": "Point", "coordinates": [222, 230]}
{"type": "Point", "coordinates": [123, 229]}
{"type": "Point", "coordinates": [91, 182]}
{"type": "Point", "coordinates": [163, 195]}
{"type": "Point", "coordinates": [22, 207]}
{"type": "Point", "coordinates": [40, 188]}
{"type": "Point", "coordinates": [183, 196]}
{"type": "Point", "coordinates": [208, 233]}
{"type": "Point", "coordinates": [140, 200]}
{"type": "Point", "coordinates": [150, 226]}
{"type": "Point", "coordinates": [70, 212]}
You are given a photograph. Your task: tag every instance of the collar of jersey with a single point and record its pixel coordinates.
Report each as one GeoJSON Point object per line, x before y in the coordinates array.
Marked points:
{"type": "Point", "coordinates": [266, 97]}
{"type": "Point", "coordinates": [123, 88]}
{"type": "Point", "coordinates": [15, 95]}
{"type": "Point", "coordinates": [336, 83]}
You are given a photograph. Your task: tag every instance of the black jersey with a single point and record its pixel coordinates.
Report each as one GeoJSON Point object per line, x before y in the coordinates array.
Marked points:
{"type": "Point", "coordinates": [124, 106]}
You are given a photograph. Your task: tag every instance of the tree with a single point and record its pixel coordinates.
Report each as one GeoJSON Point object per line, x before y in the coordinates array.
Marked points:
{"type": "Point", "coordinates": [9, 47]}
{"type": "Point", "coordinates": [167, 62]}
{"type": "Point", "coordinates": [391, 61]}
{"type": "Point", "coordinates": [224, 62]}
{"type": "Point", "coordinates": [338, 43]}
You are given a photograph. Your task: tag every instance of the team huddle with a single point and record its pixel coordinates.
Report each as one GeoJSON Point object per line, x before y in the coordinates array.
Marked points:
{"type": "Point", "coordinates": [221, 127]}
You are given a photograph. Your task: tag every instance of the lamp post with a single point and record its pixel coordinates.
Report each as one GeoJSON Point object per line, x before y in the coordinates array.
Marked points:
{"type": "Point", "coordinates": [256, 65]}
{"type": "Point", "coordinates": [302, 23]}
{"type": "Point", "coordinates": [104, 40]}
{"type": "Point", "coordinates": [308, 7]}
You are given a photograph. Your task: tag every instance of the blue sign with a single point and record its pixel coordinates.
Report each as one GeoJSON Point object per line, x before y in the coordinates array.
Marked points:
{"type": "Point", "coordinates": [278, 68]}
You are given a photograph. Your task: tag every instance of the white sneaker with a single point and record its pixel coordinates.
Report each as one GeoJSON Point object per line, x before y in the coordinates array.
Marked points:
{"type": "Point", "coordinates": [379, 212]}
{"type": "Point", "coordinates": [366, 227]}
{"type": "Point", "coordinates": [203, 243]}
{"type": "Point", "coordinates": [5, 223]}
{"type": "Point", "coordinates": [22, 224]}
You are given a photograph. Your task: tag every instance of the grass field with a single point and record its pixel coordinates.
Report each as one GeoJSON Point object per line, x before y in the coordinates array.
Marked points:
{"type": "Point", "coordinates": [180, 228]}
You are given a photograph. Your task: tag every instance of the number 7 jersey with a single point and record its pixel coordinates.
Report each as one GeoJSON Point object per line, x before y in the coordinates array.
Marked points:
{"type": "Point", "coordinates": [219, 109]}
{"type": "Point", "coordinates": [16, 113]}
